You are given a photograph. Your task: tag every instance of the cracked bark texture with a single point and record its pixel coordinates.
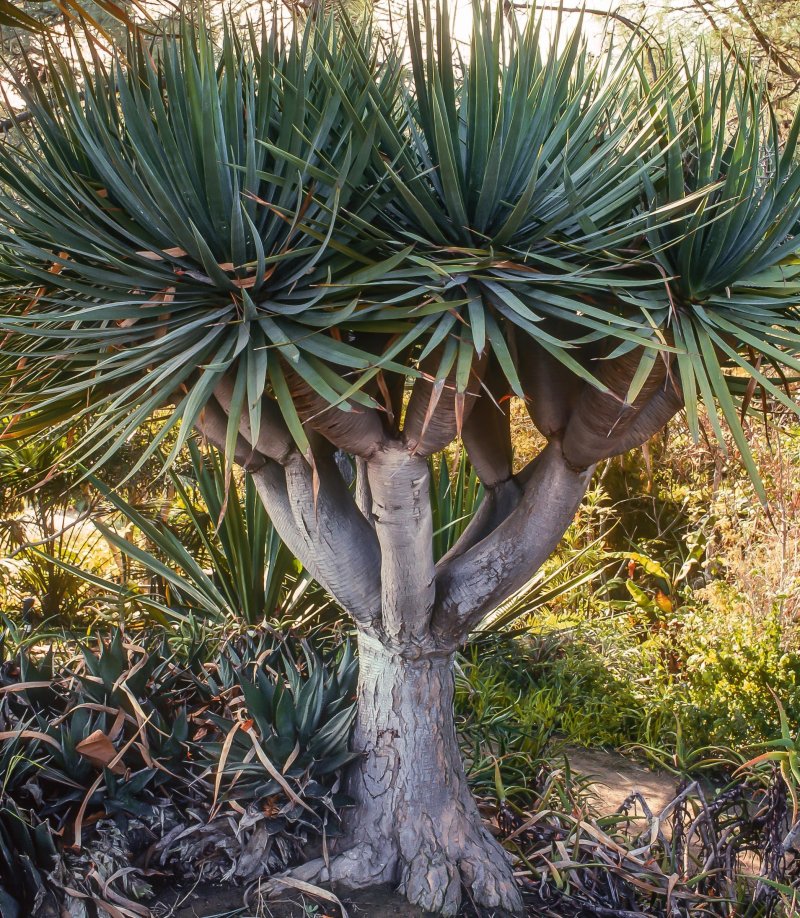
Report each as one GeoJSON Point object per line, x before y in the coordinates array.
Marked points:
{"type": "Point", "coordinates": [415, 822]}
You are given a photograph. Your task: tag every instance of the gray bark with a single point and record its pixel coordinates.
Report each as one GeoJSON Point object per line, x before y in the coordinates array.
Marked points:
{"type": "Point", "coordinates": [498, 504]}
{"type": "Point", "coordinates": [362, 494]}
{"type": "Point", "coordinates": [337, 543]}
{"type": "Point", "coordinates": [314, 513]}
{"type": "Point", "coordinates": [415, 823]}
{"type": "Point", "coordinates": [471, 584]}
{"type": "Point", "coordinates": [399, 483]}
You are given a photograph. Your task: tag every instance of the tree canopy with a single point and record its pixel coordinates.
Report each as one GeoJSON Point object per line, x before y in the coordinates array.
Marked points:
{"type": "Point", "coordinates": [171, 216]}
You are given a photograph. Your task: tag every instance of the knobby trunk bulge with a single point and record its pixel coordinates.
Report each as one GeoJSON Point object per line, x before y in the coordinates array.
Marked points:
{"type": "Point", "coordinates": [415, 823]}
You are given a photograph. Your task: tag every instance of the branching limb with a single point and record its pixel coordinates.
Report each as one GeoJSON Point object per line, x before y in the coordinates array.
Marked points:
{"type": "Point", "coordinates": [647, 421]}
{"type": "Point", "coordinates": [487, 430]}
{"type": "Point", "coordinates": [274, 439]}
{"type": "Point", "coordinates": [551, 389]}
{"type": "Point", "coordinates": [400, 486]}
{"type": "Point", "coordinates": [213, 425]}
{"type": "Point", "coordinates": [316, 516]}
{"type": "Point", "coordinates": [499, 501]}
{"type": "Point", "coordinates": [270, 481]}
{"type": "Point", "coordinates": [603, 425]}
{"type": "Point", "coordinates": [358, 431]}
{"type": "Point", "coordinates": [487, 439]}
{"type": "Point", "coordinates": [343, 544]}
{"type": "Point", "coordinates": [475, 582]}
{"type": "Point", "coordinates": [436, 411]}
{"type": "Point", "coordinates": [363, 494]}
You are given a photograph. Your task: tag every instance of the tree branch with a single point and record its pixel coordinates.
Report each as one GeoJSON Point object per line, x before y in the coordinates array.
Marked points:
{"type": "Point", "coordinates": [474, 583]}
{"type": "Point", "coordinates": [551, 390]}
{"type": "Point", "coordinates": [213, 425]}
{"type": "Point", "coordinates": [315, 515]}
{"type": "Point", "coordinates": [487, 430]}
{"type": "Point", "coordinates": [603, 425]}
{"type": "Point", "coordinates": [436, 412]}
{"type": "Point", "coordinates": [343, 544]}
{"type": "Point", "coordinates": [400, 486]}
{"type": "Point", "coordinates": [358, 431]}
{"type": "Point", "coordinates": [363, 494]}
{"type": "Point", "coordinates": [499, 501]}
{"type": "Point", "coordinates": [274, 439]}
{"type": "Point", "coordinates": [647, 421]}
{"type": "Point", "coordinates": [631, 24]}
{"type": "Point", "coordinates": [767, 45]}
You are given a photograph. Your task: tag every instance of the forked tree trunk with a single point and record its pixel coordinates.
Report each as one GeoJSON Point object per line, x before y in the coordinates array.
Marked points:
{"type": "Point", "coordinates": [415, 823]}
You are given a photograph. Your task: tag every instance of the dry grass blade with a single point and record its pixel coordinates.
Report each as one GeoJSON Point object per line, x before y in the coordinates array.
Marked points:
{"type": "Point", "coordinates": [310, 889]}
{"type": "Point", "coordinates": [274, 773]}
{"type": "Point", "coordinates": [96, 783]}
{"type": "Point", "coordinates": [29, 734]}
{"type": "Point", "coordinates": [24, 686]}
{"type": "Point", "coordinates": [226, 749]}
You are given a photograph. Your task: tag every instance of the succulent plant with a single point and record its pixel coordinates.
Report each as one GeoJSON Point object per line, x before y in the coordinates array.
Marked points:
{"type": "Point", "coordinates": [27, 855]}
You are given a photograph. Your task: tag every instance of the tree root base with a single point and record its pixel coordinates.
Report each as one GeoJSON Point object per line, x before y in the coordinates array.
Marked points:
{"type": "Point", "coordinates": [434, 878]}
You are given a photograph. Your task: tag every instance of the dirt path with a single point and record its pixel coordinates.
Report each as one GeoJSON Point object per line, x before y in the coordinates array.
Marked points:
{"type": "Point", "coordinates": [615, 777]}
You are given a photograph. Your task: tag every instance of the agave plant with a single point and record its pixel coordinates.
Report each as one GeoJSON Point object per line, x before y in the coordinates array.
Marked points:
{"type": "Point", "coordinates": [122, 722]}
{"type": "Point", "coordinates": [298, 725]}
{"type": "Point", "coordinates": [132, 731]}
{"type": "Point", "coordinates": [27, 855]}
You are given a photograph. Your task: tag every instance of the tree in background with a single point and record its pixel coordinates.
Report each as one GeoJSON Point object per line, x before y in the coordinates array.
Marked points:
{"type": "Point", "coordinates": [764, 29]}
{"type": "Point", "coordinates": [301, 249]}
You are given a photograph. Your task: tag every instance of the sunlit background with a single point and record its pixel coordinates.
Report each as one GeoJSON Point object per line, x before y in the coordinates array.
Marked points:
{"type": "Point", "coordinates": [767, 29]}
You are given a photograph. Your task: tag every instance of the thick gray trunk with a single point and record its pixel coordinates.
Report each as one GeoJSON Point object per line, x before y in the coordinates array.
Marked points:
{"type": "Point", "coordinates": [415, 823]}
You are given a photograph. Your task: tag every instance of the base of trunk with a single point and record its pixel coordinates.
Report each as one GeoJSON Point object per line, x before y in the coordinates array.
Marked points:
{"type": "Point", "coordinates": [415, 822]}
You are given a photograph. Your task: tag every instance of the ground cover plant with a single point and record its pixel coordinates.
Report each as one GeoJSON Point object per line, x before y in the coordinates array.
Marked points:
{"type": "Point", "coordinates": [130, 747]}
{"type": "Point", "coordinates": [302, 249]}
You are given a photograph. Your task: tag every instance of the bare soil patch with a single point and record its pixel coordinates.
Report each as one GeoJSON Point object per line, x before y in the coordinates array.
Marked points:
{"type": "Point", "coordinates": [615, 778]}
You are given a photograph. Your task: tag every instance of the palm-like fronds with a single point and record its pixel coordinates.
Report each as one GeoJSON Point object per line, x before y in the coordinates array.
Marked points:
{"type": "Point", "coordinates": [11, 15]}
{"type": "Point", "coordinates": [228, 564]}
{"type": "Point", "coordinates": [312, 203]}
{"type": "Point", "coordinates": [732, 301]}
{"type": "Point", "coordinates": [499, 164]}
{"type": "Point", "coordinates": [172, 218]}
{"type": "Point", "coordinates": [521, 141]}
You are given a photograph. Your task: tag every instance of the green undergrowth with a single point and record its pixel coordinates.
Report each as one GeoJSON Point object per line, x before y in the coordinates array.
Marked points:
{"type": "Point", "coordinates": [707, 681]}
{"type": "Point", "coordinates": [685, 634]}
{"type": "Point", "coordinates": [217, 754]}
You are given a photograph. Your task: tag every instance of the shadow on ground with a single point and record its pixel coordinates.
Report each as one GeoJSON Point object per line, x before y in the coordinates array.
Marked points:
{"type": "Point", "coordinates": [218, 901]}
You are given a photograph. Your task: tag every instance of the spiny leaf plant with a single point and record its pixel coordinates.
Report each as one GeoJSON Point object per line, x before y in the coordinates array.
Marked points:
{"type": "Point", "coordinates": [138, 730]}
{"type": "Point", "coordinates": [299, 246]}
{"type": "Point", "coordinates": [218, 557]}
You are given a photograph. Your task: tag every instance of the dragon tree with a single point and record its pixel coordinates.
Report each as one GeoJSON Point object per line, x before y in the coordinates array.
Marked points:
{"type": "Point", "coordinates": [311, 243]}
